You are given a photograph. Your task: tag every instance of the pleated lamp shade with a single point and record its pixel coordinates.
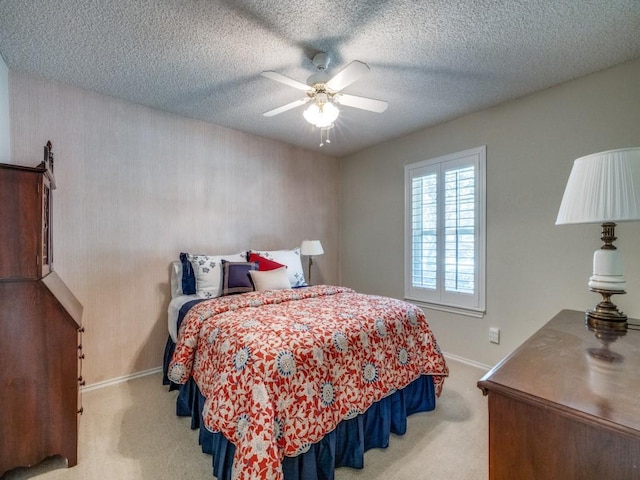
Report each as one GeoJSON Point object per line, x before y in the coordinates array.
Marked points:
{"type": "Point", "coordinates": [603, 187]}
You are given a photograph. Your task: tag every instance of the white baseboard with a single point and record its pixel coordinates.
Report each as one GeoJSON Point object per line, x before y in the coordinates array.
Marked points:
{"type": "Point", "coordinates": [467, 361]}
{"type": "Point", "coordinates": [125, 378]}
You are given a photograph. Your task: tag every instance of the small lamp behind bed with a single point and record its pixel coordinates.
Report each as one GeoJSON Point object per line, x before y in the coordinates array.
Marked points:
{"type": "Point", "coordinates": [311, 248]}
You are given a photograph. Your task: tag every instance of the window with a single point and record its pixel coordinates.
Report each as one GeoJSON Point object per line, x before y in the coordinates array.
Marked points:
{"type": "Point", "coordinates": [445, 231]}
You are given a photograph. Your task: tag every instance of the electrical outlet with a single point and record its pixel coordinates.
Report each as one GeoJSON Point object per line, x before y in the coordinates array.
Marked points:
{"type": "Point", "coordinates": [494, 335]}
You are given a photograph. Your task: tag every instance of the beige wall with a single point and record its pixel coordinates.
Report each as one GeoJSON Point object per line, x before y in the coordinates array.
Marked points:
{"type": "Point", "coordinates": [136, 186]}
{"type": "Point", "coordinates": [534, 268]}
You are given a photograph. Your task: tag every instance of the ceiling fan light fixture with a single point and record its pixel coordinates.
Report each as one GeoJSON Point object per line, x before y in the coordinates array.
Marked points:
{"type": "Point", "coordinates": [324, 94]}
{"type": "Point", "coordinates": [321, 115]}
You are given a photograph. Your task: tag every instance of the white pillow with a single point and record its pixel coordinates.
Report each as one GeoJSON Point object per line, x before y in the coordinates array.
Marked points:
{"type": "Point", "coordinates": [176, 279]}
{"type": "Point", "coordinates": [208, 272]}
{"type": "Point", "coordinates": [290, 258]}
{"type": "Point", "coordinates": [270, 279]}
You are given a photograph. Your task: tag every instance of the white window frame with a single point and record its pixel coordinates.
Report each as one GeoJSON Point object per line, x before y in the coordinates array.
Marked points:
{"type": "Point", "coordinates": [468, 304]}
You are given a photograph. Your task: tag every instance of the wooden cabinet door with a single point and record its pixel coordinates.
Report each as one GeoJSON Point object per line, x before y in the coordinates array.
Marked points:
{"type": "Point", "coordinates": [20, 223]}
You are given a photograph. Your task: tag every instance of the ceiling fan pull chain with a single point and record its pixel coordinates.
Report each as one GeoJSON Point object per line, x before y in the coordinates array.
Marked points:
{"type": "Point", "coordinates": [321, 141]}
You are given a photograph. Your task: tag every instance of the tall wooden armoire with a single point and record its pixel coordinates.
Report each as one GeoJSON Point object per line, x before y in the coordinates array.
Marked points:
{"type": "Point", "coordinates": [40, 326]}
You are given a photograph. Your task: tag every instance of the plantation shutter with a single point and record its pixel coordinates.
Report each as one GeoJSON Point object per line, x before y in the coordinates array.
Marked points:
{"type": "Point", "coordinates": [425, 231]}
{"type": "Point", "coordinates": [444, 238]}
{"type": "Point", "coordinates": [459, 219]}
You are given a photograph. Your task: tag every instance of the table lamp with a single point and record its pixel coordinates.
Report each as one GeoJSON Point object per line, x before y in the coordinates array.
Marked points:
{"type": "Point", "coordinates": [311, 248]}
{"type": "Point", "coordinates": [604, 188]}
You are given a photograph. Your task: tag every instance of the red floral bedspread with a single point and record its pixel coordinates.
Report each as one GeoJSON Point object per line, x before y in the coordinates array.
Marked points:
{"type": "Point", "coordinates": [280, 369]}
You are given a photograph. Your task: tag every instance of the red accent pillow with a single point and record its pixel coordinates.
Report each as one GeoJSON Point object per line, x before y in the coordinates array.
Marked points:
{"type": "Point", "coordinates": [264, 263]}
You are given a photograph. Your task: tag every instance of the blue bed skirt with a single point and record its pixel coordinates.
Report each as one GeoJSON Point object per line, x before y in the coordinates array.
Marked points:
{"type": "Point", "coordinates": [343, 447]}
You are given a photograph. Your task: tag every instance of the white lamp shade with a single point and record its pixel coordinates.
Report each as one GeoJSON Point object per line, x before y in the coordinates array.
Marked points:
{"type": "Point", "coordinates": [321, 115]}
{"type": "Point", "coordinates": [311, 248]}
{"type": "Point", "coordinates": [603, 187]}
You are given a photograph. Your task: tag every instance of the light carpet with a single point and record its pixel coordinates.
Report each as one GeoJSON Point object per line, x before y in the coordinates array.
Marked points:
{"type": "Point", "coordinates": [129, 431]}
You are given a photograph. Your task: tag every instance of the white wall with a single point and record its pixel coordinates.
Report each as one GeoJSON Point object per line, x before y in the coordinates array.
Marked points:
{"type": "Point", "coordinates": [5, 131]}
{"type": "Point", "coordinates": [136, 186]}
{"type": "Point", "coordinates": [534, 268]}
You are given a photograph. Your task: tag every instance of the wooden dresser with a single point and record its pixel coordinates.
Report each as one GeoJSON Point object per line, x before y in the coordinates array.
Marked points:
{"type": "Point", "coordinates": [566, 405]}
{"type": "Point", "coordinates": [40, 325]}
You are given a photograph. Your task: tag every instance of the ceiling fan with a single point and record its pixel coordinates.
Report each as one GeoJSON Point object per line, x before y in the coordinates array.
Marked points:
{"type": "Point", "coordinates": [325, 94]}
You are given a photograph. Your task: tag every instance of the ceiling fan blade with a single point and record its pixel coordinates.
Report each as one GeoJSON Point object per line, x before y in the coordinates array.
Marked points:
{"type": "Point", "coordinates": [348, 75]}
{"type": "Point", "coordinates": [278, 77]}
{"type": "Point", "coordinates": [286, 107]}
{"type": "Point", "coordinates": [370, 104]}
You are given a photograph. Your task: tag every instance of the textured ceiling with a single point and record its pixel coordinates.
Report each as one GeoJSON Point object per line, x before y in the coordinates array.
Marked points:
{"type": "Point", "coordinates": [431, 60]}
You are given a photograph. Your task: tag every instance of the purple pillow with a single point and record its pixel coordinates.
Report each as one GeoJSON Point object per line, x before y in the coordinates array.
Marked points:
{"type": "Point", "coordinates": [236, 278]}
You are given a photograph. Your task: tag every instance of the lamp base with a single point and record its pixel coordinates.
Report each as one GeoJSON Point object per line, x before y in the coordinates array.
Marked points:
{"type": "Point", "coordinates": [310, 263]}
{"type": "Point", "coordinates": [606, 315]}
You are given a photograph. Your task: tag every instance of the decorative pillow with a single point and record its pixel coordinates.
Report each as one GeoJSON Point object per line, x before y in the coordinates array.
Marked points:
{"type": "Point", "coordinates": [188, 277]}
{"type": "Point", "coordinates": [236, 278]}
{"type": "Point", "coordinates": [263, 262]}
{"type": "Point", "coordinates": [289, 258]}
{"type": "Point", "coordinates": [176, 279]}
{"type": "Point", "coordinates": [270, 279]}
{"type": "Point", "coordinates": [208, 272]}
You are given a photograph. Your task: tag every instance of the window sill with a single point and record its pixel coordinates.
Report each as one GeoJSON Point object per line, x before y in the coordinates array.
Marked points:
{"type": "Point", "coordinates": [469, 312]}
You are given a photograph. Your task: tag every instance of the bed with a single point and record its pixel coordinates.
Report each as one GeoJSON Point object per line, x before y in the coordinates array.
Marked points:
{"type": "Point", "coordinates": [293, 381]}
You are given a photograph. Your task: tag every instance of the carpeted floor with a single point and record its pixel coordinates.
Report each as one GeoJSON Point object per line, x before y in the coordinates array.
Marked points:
{"type": "Point", "coordinates": [129, 432]}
